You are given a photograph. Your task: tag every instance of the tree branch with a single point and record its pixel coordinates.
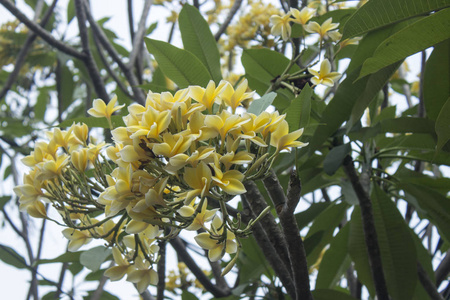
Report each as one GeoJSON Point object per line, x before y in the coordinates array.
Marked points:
{"type": "Point", "coordinates": [139, 35]}
{"type": "Point", "coordinates": [44, 34]}
{"type": "Point", "coordinates": [443, 269]}
{"type": "Point", "coordinates": [269, 251]}
{"type": "Point", "coordinates": [98, 31]}
{"type": "Point", "coordinates": [226, 23]}
{"type": "Point", "coordinates": [427, 284]}
{"type": "Point", "coordinates": [370, 234]}
{"type": "Point", "coordinates": [180, 248]}
{"type": "Point", "coordinates": [89, 61]}
{"type": "Point", "coordinates": [161, 271]}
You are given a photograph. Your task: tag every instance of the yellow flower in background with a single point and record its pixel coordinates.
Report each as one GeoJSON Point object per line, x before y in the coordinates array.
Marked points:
{"type": "Point", "coordinates": [302, 16]}
{"type": "Point", "coordinates": [322, 30]}
{"type": "Point", "coordinates": [324, 76]}
{"type": "Point", "coordinates": [281, 26]}
{"type": "Point", "coordinates": [100, 109]}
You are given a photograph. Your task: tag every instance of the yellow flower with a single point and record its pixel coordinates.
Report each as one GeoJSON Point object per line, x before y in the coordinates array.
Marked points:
{"type": "Point", "coordinates": [207, 96]}
{"type": "Point", "coordinates": [77, 238]}
{"type": "Point", "coordinates": [199, 179]}
{"type": "Point", "coordinates": [302, 16]}
{"type": "Point", "coordinates": [153, 123]}
{"type": "Point", "coordinates": [234, 98]}
{"type": "Point", "coordinates": [216, 249]}
{"type": "Point", "coordinates": [203, 216]}
{"type": "Point", "coordinates": [322, 30]}
{"type": "Point", "coordinates": [282, 139]}
{"type": "Point", "coordinates": [223, 123]}
{"type": "Point", "coordinates": [100, 109]}
{"type": "Point", "coordinates": [80, 159]}
{"type": "Point", "coordinates": [230, 181]}
{"type": "Point", "coordinates": [117, 272]}
{"type": "Point", "coordinates": [281, 26]}
{"type": "Point", "coordinates": [52, 168]}
{"type": "Point", "coordinates": [172, 145]}
{"type": "Point", "coordinates": [324, 76]}
{"type": "Point", "coordinates": [142, 274]}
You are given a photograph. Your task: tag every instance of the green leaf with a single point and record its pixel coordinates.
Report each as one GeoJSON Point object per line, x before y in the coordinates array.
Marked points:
{"type": "Point", "coordinates": [41, 104]}
{"type": "Point", "coordinates": [185, 295]}
{"type": "Point", "coordinates": [259, 105]}
{"type": "Point", "coordinates": [335, 260]}
{"type": "Point", "coordinates": [335, 158]}
{"type": "Point", "coordinates": [66, 257]}
{"type": "Point", "coordinates": [305, 217]}
{"type": "Point", "coordinates": [325, 294]}
{"type": "Point", "coordinates": [251, 261]}
{"type": "Point", "coordinates": [407, 125]}
{"type": "Point", "coordinates": [70, 11]}
{"type": "Point", "coordinates": [297, 114]}
{"type": "Point", "coordinates": [67, 87]}
{"type": "Point", "coordinates": [198, 39]}
{"type": "Point", "coordinates": [93, 258]}
{"type": "Point", "coordinates": [151, 28]}
{"type": "Point", "coordinates": [117, 121]}
{"type": "Point", "coordinates": [398, 252]}
{"type": "Point", "coordinates": [348, 192]}
{"type": "Point", "coordinates": [326, 222]}
{"type": "Point", "coordinates": [416, 37]}
{"type": "Point", "coordinates": [379, 13]}
{"type": "Point", "coordinates": [261, 67]}
{"type": "Point", "coordinates": [9, 256]}
{"type": "Point", "coordinates": [435, 205]}
{"type": "Point", "coordinates": [94, 276]}
{"type": "Point", "coordinates": [358, 251]}
{"type": "Point", "coordinates": [443, 125]}
{"type": "Point", "coordinates": [104, 296]}
{"type": "Point", "coordinates": [4, 200]}
{"type": "Point", "coordinates": [179, 65]}
{"type": "Point", "coordinates": [436, 89]}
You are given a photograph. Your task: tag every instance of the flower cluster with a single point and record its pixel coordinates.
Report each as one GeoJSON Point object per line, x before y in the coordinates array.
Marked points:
{"type": "Point", "coordinates": [174, 165]}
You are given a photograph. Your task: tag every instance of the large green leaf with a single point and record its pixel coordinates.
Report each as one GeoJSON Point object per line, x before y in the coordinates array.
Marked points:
{"type": "Point", "coordinates": [9, 256]}
{"type": "Point", "coordinates": [407, 125]}
{"type": "Point", "coordinates": [335, 158]}
{"type": "Point", "coordinates": [305, 217]}
{"type": "Point", "coordinates": [335, 260]}
{"type": "Point", "coordinates": [297, 114]}
{"type": "Point", "coordinates": [416, 37]}
{"type": "Point", "coordinates": [358, 251]}
{"type": "Point", "coordinates": [443, 125]}
{"type": "Point", "coordinates": [66, 257]}
{"type": "Point", "coordinates": [325, 224]}
{"type": "Point", "coordinates": [378, 13]}
{"type": "Point", "coordinates": [327, 294]}
{"type": "Point", "coordinates": [436, 82]}
{"type": "Point", "coordinates": [198, 39]}
{"type": "Point", "coordinates": [398, 252]}
{"type": "Point", "coordinates": [259, 105]}
{"type": "Point", "coordinates": [179, 65]}
{"type": "Point", "coordinates": [262, 66]}
{"type": "Point", "coordinates": [435, 205]}
{"type": "Point", "coordinates": [93, 258]}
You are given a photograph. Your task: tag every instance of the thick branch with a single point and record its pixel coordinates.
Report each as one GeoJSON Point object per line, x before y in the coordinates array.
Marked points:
{"type": "Point", "coordinates": [257, 205]}
{"type": "Point", "coordinates": [89, 61]}
{"type": "Point", "coordinates": [427, 284]}
{"type": "Point", "coordinates": [44, 34]}
{"type": "Point", "coordinates": [296, 248]}
{"type": "Point", "coordinates": [21, 56]}
{"type": "Point", "coordinates": [443, 269]}
{"type": "Point", "coordinates": [161, 271]}
{"type": "Point", "coordinates": [224, 26]}
{"type": "Point", "coordinates": [180, 248]}
{"type": "Point", "coordinates": [370, 234]}
{"type": "Point", "coordinates": [269, 251]}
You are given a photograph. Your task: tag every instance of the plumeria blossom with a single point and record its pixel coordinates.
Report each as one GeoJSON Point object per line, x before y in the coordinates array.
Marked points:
{"type": "Point", "coordinates": [176, 157]}
{"type": "Point", "coordinates": [215, 248]}
{"type": "Point", "coordinates": [323, 30]}
{"type": "Point", "coordinates": [281, 26]}
{"type": "Point", "coordinates": [303, 16]}
{"type": "Point", "coordinates": [101, 109]}
{"type": "Point", "coordinates": [324, 76]}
